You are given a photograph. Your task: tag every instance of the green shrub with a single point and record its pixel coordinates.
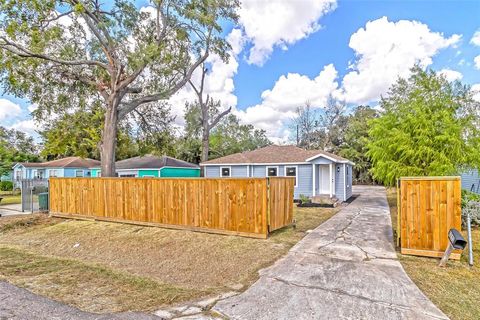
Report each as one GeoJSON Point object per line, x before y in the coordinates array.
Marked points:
{"type": "Point", "coordinates": [304, 199]}
{"type": "Point", "coordinates": [470, 204]}
{"type": "Point", "coordinates": [6, 186]}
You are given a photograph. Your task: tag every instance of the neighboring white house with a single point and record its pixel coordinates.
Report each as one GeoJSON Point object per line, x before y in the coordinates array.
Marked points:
{"type": "Point", "coordinates": [316, 172]}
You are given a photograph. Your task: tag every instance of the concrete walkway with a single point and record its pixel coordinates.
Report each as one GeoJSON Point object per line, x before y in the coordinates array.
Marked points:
{"type": "Point", "coordinates": [345, 269]}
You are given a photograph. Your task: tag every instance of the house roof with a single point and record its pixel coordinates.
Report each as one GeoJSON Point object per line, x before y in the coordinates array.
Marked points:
{"type": "Point", "coordinates": [69, 162]}
{"type": "Point", "coordinates": [153, 162]}
{"type": "Point", "coordinates": [275, 154]}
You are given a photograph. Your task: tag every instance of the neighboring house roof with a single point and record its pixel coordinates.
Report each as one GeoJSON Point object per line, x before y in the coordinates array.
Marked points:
{"type": "Point", "coordinates": [153, 162]}
{"type": "Point", "coordinates": [69, 162]}
{"type": "Point", "coordinates": [276, 154]}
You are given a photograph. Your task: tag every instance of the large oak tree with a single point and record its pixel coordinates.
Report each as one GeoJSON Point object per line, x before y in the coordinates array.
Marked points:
{"type": "Point", "coordinates": [64, 54]}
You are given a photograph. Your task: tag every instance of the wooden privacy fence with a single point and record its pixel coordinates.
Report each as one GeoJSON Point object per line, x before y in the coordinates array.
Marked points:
{"type": "Point", "coordinates": [247, 206]}
{"type": "Point", "coordinates": [427, 208]}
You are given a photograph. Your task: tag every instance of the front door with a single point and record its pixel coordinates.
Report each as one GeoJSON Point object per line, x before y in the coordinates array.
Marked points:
{"type": "Point", "coordinates": [324, 179]}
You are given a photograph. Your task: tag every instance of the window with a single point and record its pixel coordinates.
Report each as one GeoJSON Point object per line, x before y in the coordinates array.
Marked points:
{"type": "Point", "coordinates": [53, 173]}
{"type": "Point", "coordinates": [291, 172]}
{"type": "Point", "coordinates": [18, 175]}
{"type": "Point", "coordinates": [79, 173]}
{"type": "Point", "coordinates": [127, 175]}
{"type": "Point", "coordinates": [225, 172]}
{"type": "Point", "coordinates": [272, 171]}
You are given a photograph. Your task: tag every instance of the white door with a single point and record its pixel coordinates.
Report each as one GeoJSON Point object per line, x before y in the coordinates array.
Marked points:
{"type": "Point", "coordinates": [324, 179]}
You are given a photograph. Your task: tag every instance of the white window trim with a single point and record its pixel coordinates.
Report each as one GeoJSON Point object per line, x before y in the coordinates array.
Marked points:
{"type": "Point", "coordinates": [56, 171]}
{"type": "Point", "coordinates": [296, 173]}
{"type": "Point", "coordinates": [229, 171]}
{"type": "Point", "coordinates": [268, 167]}
{"type": "Point", "coordinates": [83, 174]}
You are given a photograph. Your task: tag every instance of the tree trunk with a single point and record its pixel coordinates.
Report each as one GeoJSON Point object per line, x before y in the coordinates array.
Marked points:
{"type": "Point", "coordinates": [205, 143]}
{"type": "Point", "coordinates": [109, 138]}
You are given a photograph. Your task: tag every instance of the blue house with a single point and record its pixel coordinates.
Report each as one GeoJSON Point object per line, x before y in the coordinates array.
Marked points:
{"type": "Point", "coordinates": [471, 180]}
{"type": "Point", "coordinates": [316, 172]}
{"type": "Point", "coordinates": [66, 167]}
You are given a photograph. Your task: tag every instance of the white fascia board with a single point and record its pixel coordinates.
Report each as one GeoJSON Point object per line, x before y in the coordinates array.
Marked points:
{"type": "Point", "coordinates": [253, 164]}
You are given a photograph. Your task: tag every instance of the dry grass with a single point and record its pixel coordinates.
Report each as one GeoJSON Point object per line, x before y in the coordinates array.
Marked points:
{"type": "Point", "coordinates": [89, 287]}
{"type": "Point", "coordinates": [455, 289]}
{"type": "Point", "coordinates": [192, 263]}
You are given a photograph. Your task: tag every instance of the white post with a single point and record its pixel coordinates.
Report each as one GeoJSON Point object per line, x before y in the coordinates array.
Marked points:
{"type": "Point", "coordinates": [344, 182]}
{"type": "Point", "coordinates": [313, 180]}
{"type": "Point", "coordinates": [331, 179]}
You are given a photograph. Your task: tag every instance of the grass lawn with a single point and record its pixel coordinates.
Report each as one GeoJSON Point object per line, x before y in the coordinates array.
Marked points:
{"type": "Point", "coordinates": [110, 267]}
{"type": "Point", "coordinates": [454, 289]}
{"type": "Point", "coordinates": [10, 199]}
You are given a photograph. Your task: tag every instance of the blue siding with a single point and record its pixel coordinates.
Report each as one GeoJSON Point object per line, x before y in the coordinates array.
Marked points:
{"type": "Point", "coordinates": [340, 181]}
{"type": "Point", "coordinates": [471, 180]}
{"type": "Point", "coordinates": [211, 172]}
{"type": "Point", "coordinates": [304, 173]}
{"type": "Point", "coordinates": [304, 185]}
{"type": "Point", "coordinates": [70, 172]}
{"type": "Point", "coordinates": [239, 171]}
{"type": "Point", "coordinates": [235, 171]}
{"type": "Point", "coordinates": [349, 180]}
{"type": "Point", "coordinates": [258, 171]}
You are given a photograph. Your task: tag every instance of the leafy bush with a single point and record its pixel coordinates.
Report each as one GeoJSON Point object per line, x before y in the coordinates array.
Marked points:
{"type": "Point", "coordinates": [470, 204]}
{"type": "Point", "coordinates": [6, 185]}
{"type": "Point", "coordinates": [304, 199]}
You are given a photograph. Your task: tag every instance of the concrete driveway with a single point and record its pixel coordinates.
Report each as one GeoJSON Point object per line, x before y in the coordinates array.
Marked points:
{"type": "Point", "coordinates": [11, 210]}
{"type": "Point", "coordinates": [345, 269]}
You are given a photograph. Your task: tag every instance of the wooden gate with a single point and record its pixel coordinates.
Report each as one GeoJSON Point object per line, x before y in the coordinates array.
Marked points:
{"type": "Point", "coordinates": [427, 208]}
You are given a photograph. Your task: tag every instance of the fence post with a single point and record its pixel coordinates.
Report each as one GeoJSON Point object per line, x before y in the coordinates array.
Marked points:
{"type": "Point", "coordinates": [268, 205]}
{"type": "Point", "coordinates": [399, 211]}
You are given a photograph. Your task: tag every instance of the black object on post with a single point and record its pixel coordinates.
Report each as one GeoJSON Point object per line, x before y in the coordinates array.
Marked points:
{"type": "Point", "coordinates": [456, 241]}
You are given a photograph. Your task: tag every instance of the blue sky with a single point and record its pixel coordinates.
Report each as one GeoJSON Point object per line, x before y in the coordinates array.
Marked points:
{"type": "Point", "coordinates": [288, 52]}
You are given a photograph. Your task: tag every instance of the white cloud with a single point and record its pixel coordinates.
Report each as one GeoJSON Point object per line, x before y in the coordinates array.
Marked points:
{"type": "Point", "coordinates": [8, 109]}
{"type": "Point", "coordinates": [451, 75]}
{"type": "Point", "coordinates": [476, 38]}
{"type": "Point", "coordinates": [387, 50]}
{"type": "Point", "coordinates": [269, 24]}
{"type": "Point", "coordinates": [476, 90]}
{"type": "Point", "coordinates": [289, 92]}
{"type": "Point", "coordinates": [476, 60]}
{"type": "Point", "coordinates": [28, 126]}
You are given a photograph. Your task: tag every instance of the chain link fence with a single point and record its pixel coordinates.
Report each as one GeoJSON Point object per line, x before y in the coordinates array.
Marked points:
{"type": "Point", "coordinates": [34, 195]}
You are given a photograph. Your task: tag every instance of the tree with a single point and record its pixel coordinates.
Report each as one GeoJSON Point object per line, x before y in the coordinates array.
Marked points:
{"type": "Point", "coordinates": [429, 126]}
{"type": "Point", "coordinates": [231, 137]}
{"type": "Point", "coordinates": [209, 114]}
{"type": "Point", "coordinates": [15, 146]}
{"type": "Point", "coordinates": [355, 139]}
{"type": "Point", "coordinates": [332, 125]}
{"type": "Point", "coordinates": [305, 124]}
{"type": "Point", "coordinates": [321, 128]}
{"type": "Point", "coordinates": [62, 54]}
{"type": "Point", "coordinates": [79, 134]}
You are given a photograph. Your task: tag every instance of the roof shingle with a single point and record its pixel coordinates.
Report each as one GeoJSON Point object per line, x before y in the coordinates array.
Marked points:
{"type": "Point", "coordinates": [69, 162]}
{"type": "Point", "coordinates": [152, 162]}
{"type": "Point", "coordinates": [274, 154]}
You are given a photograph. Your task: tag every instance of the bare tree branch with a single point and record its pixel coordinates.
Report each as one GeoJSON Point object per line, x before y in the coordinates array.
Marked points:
{"type": "Point", "coordinates": [25, 53]}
